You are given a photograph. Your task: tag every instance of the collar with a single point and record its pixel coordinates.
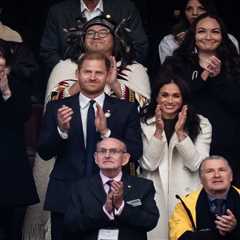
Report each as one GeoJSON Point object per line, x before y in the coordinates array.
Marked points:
{"type": "Point", "coordinates": [85, 8]}
{"type": "Point", "coordinates": [84, 100]}
{"type": "Point", "coordinates": [211, 197]}
{"type": "Point", "coordinates": [105, 178]}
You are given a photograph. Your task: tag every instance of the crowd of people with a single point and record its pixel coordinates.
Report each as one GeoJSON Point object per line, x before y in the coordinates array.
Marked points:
{"type": "Point", "coordinates": [122, 153]}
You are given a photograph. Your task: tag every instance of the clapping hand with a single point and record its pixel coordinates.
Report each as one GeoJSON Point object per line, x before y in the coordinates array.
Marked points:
{"type": "Point", "coordinates": [159, 122]}
{"type": "Point", "coordinates": [226, 223]}
{"type": "Point", "coordinates": [212, 67]}
{"type": "Point", "coordinates": [100, 120]}
{"type": "Point", "coordinates": [112, 80]}
{"type": "Point", "coordinates": [117, 189]}
{"type": "Point", "coordinates": [4, 86]}
{"type": "Point", "coordinates": [179, 126]}
{"type": "Point", "coordinates": [64, 116]}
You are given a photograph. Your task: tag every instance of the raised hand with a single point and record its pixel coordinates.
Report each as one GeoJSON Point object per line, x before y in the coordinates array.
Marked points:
{"type": "Point", "coordinates": [226, 223]}
{"type": "Point", "coordinates": [117, 190]}
{"type": "Point", "coordinates": [159, 122]}
{"type": "Point", "coordinates": [212, 67]}
{"type": "Point", "coordinates": [64, 116]}
{"type": "Point", "coordinates": [109, 202]}
{"type": "Point", "coordinates": [179, 126]}
{"type": "Point", "coordinates": [112, 80]}
{"type": "Point", "coordinates": [4, 86]}
{"type": "Point", "coordinates": [100, 120]}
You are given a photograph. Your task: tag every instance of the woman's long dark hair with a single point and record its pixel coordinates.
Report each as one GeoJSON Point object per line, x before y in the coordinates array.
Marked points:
{"type": "Point", "coordinates": [183, 23]}
{"type": "Point", "coordinates": [166, 76]}
{"type": "Point", "coordinates": [226, 51]}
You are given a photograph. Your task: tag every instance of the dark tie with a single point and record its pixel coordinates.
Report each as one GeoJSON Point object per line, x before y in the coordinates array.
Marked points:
{"type": "Point", "coordinates": [91, 140]}
{"type": "Point", "coordinates": [218, 206]}
{"type": "Point", "coordinates": [109, 182]}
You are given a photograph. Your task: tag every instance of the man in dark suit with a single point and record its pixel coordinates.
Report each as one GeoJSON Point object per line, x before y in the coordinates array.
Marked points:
{"type": "Point", "coordinates": [65, 133]}
{"type": "Point", "coordinates": [112, 203]}
{"type": "Point", "coordinates": [63, 15]}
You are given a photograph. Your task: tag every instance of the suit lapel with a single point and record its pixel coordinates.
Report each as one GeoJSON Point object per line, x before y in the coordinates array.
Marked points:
{"type": "Point", "coordinates": [96, 187]}
{"type": "Point", "coordinates": [127, 186]}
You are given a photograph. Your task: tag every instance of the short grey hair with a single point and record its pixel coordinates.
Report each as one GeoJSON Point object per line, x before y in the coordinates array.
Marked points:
{"type": "Point", "coordinates": [123, 145]}
{"type": "Point", "coordinates": [213, 157]}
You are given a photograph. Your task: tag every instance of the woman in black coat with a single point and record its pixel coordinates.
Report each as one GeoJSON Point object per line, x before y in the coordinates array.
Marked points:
{"type": "Point", "coordinates": [17, 186]}
{"type": "Point", "coordinates": [209, 62]}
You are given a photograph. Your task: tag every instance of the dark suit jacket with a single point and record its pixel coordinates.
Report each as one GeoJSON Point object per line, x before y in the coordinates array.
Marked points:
{"type": "Point", "coordinates": [16, 180]}
{"type": "Point", "coordinates": [85, 213]}
{"type": "Point", "coordinates": [64, 15]}
{"type": "Point", "coordinates": [70, 153]}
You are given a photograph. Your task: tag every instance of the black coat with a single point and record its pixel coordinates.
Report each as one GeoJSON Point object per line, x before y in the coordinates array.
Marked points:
{"type": "Point", "coordinates": [16, 180]}
{"type": "Point", "coordinates": [71, 153]}
{"type": "Point", "coordinates": [85, 213]}
{"type": "Point", "coordinates": [64, 15]}
{"type": "Point", "coordinates": [217, 99]}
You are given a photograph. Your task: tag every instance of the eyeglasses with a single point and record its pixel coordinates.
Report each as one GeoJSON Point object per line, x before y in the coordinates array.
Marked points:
{"type": "Point", "coordinates": [100, 34]}
{"type": "Point", "coordinates": [111, 151]}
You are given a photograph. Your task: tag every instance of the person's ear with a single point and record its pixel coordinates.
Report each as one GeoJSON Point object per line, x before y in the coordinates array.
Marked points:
{"type": "Point", "coordinates": [125, 160]}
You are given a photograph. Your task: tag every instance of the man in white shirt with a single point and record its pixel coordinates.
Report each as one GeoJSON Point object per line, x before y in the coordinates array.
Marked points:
{"type": "Point", "coordinates": [67, 133]}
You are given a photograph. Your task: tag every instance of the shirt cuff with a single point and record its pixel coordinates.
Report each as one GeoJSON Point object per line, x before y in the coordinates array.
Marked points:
{"type": "Point", "coordinates": [6, 97]}
{"type": "Point", "coordinates": [119, 211]}
{"type": "Point", "coordinates": [107, 134]}
{"type": "Point", "coordinates": [109, 215]}
{"type": "Point", "coordinates": [63, 135]}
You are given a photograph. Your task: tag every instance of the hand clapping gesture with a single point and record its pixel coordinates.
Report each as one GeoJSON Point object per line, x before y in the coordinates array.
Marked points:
{"type": "Point", "coordinates": [100, 120]}
{"type": "Point", "coordinates": [4, 86]}
{"type": "Point", "coordinates": [64, 116]}
{"type": "Point", "coordinates": [112, 80]}
{"type": "Point", "coordinates": [159, 122]}
{"type": "Point", "coordinates": [179, 127]}
{"type": "Point", "coordinates": [226, 223]}
{"type": "Point", "coordinates": [212, 67]}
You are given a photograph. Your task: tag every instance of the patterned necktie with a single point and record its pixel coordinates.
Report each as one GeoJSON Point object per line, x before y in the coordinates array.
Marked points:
{"type": "Point", "coordinates": [218, 206]}
{"type": "Point", "coordinates": [109, 182]}
{"type": "Point", "coordinates": [91, 140]}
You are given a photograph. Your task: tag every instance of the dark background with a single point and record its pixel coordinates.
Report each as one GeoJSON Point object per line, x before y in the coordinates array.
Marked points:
{"type": "Point", "coordinates": [28, 18]}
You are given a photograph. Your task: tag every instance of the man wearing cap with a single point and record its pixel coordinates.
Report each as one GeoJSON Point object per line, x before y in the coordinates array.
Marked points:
{"type": "Point", "coordinates": [111, 204]}
{"type": "Point", "coordinates": [71, 128]}
{"type": "Point", "coordinates": [101, 34]}
{"type": "Point", "coordinates": [64, 15]}
{"type": "Point", "coordinates": [213, 213]}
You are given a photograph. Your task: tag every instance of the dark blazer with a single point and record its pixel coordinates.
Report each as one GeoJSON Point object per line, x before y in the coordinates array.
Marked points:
{"type": "Point", "coordinates": [64, 15]}
{"type": "Point", "coordinates": [70, 153]}
{"type": "Point", "coordinates": [16, 180]}
{"type": "Point", "coordinates": [85, 215]}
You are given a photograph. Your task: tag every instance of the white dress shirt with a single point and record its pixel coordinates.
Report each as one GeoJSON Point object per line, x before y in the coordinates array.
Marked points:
{"type": "Point", "coordinates": [84, 105]}
{"type": "Point", "coordinates": [94, 13]}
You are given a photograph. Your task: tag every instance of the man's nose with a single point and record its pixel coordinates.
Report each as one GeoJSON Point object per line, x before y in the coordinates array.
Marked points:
{"type": "Point", "coordinates": [216, 174]}
{"type": "Point", "coordinates": [93, 75]}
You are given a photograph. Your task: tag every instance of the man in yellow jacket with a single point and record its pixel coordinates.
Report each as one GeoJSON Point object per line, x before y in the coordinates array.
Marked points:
{"type": "Point", "coordinates": [212, 213]}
